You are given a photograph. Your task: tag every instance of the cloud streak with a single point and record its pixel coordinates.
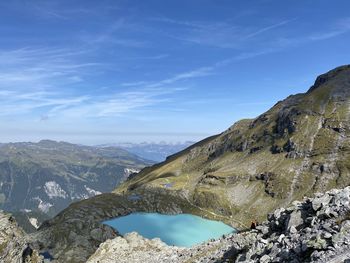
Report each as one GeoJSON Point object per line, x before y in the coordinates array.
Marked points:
{"type": "Point", "coordinates": [196, 73]}
{"type": "Point", "coordinates": [268, 28]}
{"type": "Point", "coordinates": [84, 106]}
{"type": "Point", "coordinates": [37, 68]}
{"type": "Point", "coordinates": [34, 81]}
{"type": "Point", "coordinates": [40, 69]}
{"type": "Point", "coordinates": [217, 34]}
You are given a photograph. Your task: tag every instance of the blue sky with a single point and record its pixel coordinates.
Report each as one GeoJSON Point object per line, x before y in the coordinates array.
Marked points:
{"type": "Point", "coordinates": [111, 71]}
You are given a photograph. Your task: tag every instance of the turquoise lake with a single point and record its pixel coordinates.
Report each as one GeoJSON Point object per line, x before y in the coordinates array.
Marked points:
{"type": "Point", "coordinates": [182, 230]}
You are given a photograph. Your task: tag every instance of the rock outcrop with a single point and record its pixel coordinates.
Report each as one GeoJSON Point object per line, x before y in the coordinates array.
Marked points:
{"type": "Point", "coordinates": [134, 248]}
{"type": "Point", "coordinates": [313, 230]}
{"type": "Point", "coordinates": [14, 246]}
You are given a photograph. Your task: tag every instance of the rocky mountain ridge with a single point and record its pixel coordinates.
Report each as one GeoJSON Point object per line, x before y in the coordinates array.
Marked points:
{"type": "Point", "coordinates": [298, 147]}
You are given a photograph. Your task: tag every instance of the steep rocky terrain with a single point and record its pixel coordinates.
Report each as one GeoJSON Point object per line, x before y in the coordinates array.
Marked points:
{"type": "Point", "coordinates": [313, 230]}
{"type": "Point", "coordinates": [13, 244]}
{"type": "Point", "coordinates": [47, 176]}
{"type": "Point", "coordinates": [298, 147]}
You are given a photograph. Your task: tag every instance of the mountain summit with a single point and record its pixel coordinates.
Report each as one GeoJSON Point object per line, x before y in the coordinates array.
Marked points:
{"type": "Point", "coordinates": [299, 146]}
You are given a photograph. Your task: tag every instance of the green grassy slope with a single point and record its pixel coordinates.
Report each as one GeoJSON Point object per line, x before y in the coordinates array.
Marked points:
{"type": "Point", "coordinates": [298, 147]}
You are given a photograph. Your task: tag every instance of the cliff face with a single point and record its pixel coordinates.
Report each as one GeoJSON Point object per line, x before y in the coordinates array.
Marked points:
{"type": "Point", "coordinates": [298, 147]}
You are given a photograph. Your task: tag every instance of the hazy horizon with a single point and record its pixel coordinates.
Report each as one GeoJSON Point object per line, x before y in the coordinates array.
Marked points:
{"type": "Point", "coordinates": [110, 143]}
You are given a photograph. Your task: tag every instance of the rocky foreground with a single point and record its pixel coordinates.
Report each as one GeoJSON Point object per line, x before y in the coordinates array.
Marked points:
{"type": "Point", "coordinates": [313, 230]}
{"type": "Point", "coordinates": [13, 244]}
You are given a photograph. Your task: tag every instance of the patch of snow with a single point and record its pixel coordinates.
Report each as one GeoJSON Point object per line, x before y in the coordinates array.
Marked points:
{"type": "Point", "coordinates": [84, 196]}
{"type": "Point", "coordinates": [80, 196]}
{"type": "Point", "coordinates": [43, 206]}
{"type": "Point", "coordinates": [91, 191]}
{"type": "Point", "coordinates": [128, 171]}
{"type": "Point", "coordinates": [34, 222]}
{"type": "Point", "coordinates": [53, 190]}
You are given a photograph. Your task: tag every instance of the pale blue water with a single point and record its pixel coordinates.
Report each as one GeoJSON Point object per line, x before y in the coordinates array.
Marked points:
{"type": "Point", "coordinates": [183, 230]}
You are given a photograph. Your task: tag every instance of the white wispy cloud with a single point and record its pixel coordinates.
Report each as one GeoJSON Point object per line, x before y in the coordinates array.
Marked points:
{"type": "Point", "coordinates": [196, 73]}
{"type": "Point", "coordinates": [114, 104]}
{"type": "Point", "coordinates": [35, 68]}
{"type": "Point", "coordinates": [58, 10]}
{"type": "Point", "coordinates": [29, 75]}
{"type": "Point", "coordinates": [341, 27]}
{"type": "Point", "coordinates": [15, 103]}
{"type": "Point", "coordinates": [268, 28]}
{"type": "Point", "coordinates": [55, 104]}
{"type": "Point", "coordinates": [110, 35]}
{"type": "Point", "coordinates": [220, 34]}
{"type": "Point", "coordinates": [34, 80]}
{"type": "Point", "coordinates": [335, 29]}
{"type": "Point", "coordinates": [148, 93]}
{"type": "Point", "coordinates": [155, 57]}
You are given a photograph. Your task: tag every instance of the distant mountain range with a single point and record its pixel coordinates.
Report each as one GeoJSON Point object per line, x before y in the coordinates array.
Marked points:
{"type": "Point", "coordinates": [48, 176]}
{"type": "Point", "coordinates": [157, 152]}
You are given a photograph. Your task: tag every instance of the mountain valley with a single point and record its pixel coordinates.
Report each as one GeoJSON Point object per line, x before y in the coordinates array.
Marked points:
{"type": "Point", "coordinates": [255, 170]}
{"type": "Point", "coordinates": [44, 178]}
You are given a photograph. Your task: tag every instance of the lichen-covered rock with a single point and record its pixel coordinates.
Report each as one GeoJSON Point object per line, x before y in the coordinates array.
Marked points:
{"type": "Point", "coordinates": [321, 201]}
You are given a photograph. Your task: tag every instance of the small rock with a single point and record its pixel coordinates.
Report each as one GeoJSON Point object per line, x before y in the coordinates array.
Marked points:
{"type": "Point", "coordinates": [263, 229]}
{"type": "Point", "coordinates": [264, 259]}
{"type": "Point", "coordinates": [280, 238]}
{"type": "Point", "coordinates": [293, 230]}
{"type": "Point", "coordinates": [327, 235]}
{"type": "Point", "coordinates": [295, 219]}
{"type": "Point", "coordinates": [320, 202]}
{"type": "Point", "coordinates": [264, 241]}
